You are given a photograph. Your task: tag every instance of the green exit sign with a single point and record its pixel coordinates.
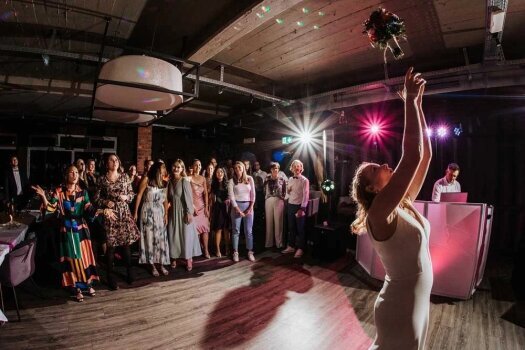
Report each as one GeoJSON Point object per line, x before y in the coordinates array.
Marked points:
{"type": "Point", "coordinates": [287, 140]}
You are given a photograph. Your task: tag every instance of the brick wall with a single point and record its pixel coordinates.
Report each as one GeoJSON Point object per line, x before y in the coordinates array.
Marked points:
{"type": "Point", "coordinates": [144, 142]}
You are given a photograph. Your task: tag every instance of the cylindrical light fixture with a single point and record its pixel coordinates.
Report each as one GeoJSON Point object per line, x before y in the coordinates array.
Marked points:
{"type": "Point", "coordinates": [123, 117]}
{"type": "Point", "coordinates": [139, 83]}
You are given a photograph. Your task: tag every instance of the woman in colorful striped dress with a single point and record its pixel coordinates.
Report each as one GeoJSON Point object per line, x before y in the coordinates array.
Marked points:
{"type": "Point", "coordinates": [73, 206]}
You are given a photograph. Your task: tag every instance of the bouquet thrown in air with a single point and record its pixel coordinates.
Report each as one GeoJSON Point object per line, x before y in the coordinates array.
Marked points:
{"type": "Point", "coordinates": [384, 29]}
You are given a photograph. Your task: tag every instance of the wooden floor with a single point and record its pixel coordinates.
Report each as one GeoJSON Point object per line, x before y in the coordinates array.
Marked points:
{"type": "Point", "coordinates": [274, 303]}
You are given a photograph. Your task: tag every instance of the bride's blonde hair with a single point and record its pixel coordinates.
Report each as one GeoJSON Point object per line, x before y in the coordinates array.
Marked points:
{"type": "Point", "coordinates": [362, 198]}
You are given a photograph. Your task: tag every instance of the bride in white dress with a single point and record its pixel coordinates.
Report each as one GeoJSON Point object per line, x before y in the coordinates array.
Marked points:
{"type": "Point", "coordinates": [398, 232]}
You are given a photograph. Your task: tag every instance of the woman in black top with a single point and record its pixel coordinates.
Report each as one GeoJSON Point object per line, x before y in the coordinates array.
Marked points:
{"type": "Point", "coordinates": [220, 211]}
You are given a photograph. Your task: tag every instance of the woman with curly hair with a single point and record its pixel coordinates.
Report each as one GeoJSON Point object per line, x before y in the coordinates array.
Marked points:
{"type": "Point", "coordinates": [114, 192]}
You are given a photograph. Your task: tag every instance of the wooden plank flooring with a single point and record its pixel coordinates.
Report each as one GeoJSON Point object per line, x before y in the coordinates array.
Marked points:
{"type": "Point", "coordinates": [274, 303]}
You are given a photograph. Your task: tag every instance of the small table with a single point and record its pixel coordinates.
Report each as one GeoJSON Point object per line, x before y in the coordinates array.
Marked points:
{"type": "Point", "coordinates": [329, 241]}
{"type": "Point", "coordinates": [10, 237]}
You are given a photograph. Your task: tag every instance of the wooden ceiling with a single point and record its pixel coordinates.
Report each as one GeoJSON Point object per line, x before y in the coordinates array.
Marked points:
{"type": "Point", "coordinates": [288, 49]}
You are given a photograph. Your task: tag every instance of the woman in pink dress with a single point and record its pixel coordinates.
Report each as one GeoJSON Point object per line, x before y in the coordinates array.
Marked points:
{"type": "Point", "coordinates": [200, 202]}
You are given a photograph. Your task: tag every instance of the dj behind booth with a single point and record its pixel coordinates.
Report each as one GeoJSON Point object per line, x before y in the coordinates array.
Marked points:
{"type": "Point", "coordinates": [459, 243]}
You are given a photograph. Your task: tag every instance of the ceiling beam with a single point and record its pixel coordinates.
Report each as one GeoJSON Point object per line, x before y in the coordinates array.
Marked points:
{"type": "Point", "coordinates": [240, 27]}
{"type": "Point", "coordinates": [473, 77]}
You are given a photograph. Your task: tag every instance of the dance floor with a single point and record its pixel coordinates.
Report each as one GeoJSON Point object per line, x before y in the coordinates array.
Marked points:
{"type": "Point", "coordinates": [275, 303]}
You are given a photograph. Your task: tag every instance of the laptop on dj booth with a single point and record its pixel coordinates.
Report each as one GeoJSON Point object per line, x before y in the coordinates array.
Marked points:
{"type": "Point", "coordinates": [456, 197]}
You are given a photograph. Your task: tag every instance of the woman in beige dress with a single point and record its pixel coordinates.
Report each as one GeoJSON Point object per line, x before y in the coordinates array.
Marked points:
{"type": "Point", "coordinates": [398, 232]}
{"type": "Point", "coordinates": [201, 218]}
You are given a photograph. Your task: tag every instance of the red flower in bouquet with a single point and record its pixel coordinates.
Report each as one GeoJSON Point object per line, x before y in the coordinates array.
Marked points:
{"type": "Point", "coordinates": [383, 29]}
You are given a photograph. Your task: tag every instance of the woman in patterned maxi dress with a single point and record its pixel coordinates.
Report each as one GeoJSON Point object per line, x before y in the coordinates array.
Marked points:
{"type": "Point", "coordinates": [154, 247]}
{"type": "Point", "coordinates": [73, 206]}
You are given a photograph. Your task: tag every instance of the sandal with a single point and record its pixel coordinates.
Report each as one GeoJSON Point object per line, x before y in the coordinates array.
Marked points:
{"type": "Point", "coordinates": [163, 270]}
{"type": "Point", "coordinates": [218, 255]}
{"type": "Point", "coordinates": [154, 271]}
{"type": "Point", "coordinates": [189, 265]}
{"type": "Point", "coordinates": [91, 292]}
{"type": "Point", "coordinates": [79, 296]}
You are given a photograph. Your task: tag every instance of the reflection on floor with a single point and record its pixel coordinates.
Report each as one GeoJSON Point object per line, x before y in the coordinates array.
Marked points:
{"type": "Point", "coordinates": [275, 303]}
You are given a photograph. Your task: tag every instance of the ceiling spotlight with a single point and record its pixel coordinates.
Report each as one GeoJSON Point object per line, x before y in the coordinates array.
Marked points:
{"type": "Point", "coordinates": [305, 137]}
{"type": "Point", "coordinates": [458, 130]}
{"type": "Point", "coordinates": [442, 131]}
{"type": "Point", "coordinates": [45, 58]}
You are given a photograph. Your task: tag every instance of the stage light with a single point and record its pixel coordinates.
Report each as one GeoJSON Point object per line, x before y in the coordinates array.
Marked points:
{"type": "Point", "coordinates": [305, 137]}
{"type": "Point", "coordinates": [375, 129]}
{"type": "Point", "coordinates": [458, 129]}
{"type": "Point", "coordinates": [442, 131]}
{"type": "Point", "coordinates": [430, 132]}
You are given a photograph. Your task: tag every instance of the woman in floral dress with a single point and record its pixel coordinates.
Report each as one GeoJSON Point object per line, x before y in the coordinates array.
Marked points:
{"type": "Point", "coordinates": [114, 192]}
{"type": "Point", "coordinates": [154, 247]}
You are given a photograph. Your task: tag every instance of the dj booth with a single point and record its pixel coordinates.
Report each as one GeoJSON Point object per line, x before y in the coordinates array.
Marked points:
{"type": "Point", "coordinates": [459, 243]}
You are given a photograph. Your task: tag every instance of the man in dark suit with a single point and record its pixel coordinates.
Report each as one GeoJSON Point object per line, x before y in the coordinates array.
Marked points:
{"type": "Point", "coordinates": [16, 184]}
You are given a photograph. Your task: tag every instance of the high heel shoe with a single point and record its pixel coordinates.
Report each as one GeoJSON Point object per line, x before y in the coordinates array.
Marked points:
{"type": "Point", "coordinates": [79, 296]}
{"type": "Point", "coordinates": [189, 265]}
{"type": "Point", "coordinates": [91, 292]}
{"type": "Point", "coordinates": [163, 270]}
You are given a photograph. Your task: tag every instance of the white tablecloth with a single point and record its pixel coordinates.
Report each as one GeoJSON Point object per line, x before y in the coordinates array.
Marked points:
{"type": "Point", "coordinates": [10, 238]}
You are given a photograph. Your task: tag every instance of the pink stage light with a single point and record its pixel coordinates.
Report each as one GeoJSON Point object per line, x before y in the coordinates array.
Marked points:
{"type": "Point", "coordinates": [375, 129]}
{"type": "Point", "coordinates": [430, 132]}
{"type": "Point", "coordinates": [442, 131]}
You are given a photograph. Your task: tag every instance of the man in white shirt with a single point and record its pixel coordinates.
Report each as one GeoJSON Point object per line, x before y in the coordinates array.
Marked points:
{"type": "Point", "coordinates": [259, 176]}
{"type": "Point", "coordinates": [448, 183]}
{"type": "Point", "coordinates": [297, 193]}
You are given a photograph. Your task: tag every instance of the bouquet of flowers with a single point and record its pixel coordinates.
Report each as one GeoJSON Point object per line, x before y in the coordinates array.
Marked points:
{"type": "Point", "coordinates": [383, 29]}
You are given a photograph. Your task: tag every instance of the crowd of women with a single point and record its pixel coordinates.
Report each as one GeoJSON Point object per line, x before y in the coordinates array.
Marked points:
{"type": "Point", "coordinates": [170, 213]}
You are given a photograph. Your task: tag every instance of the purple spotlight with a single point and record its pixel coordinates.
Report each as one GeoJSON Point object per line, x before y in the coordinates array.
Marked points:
{"type": "Point", "coordinates": [430, 132]}
{"type": "Point", "coordinates": [442, 131]}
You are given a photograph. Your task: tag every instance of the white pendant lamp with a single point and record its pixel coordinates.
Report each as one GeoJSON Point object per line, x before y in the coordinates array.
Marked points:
{"type": "Point", "coordinates": [123, 117]}
{"type": "Point", "coordinates": [142, 72]}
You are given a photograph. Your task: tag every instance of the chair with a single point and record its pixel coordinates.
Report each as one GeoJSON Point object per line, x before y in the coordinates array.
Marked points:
{"type": "Point", "coordinates": [18, 266]}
